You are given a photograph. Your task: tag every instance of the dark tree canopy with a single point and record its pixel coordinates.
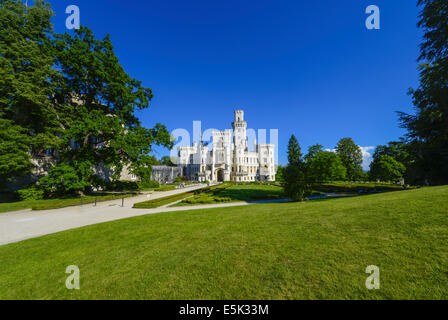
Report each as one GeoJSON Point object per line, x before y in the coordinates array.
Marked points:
{"type": "Point", "coordinates": [26, 70]}
{"type": "Point", "coordinates": [386, 168]}
{"type": "Point", "coordinates": [69, 92]}
{"type": "Point", "coordinates": [428, 127]}
{"type": "Point", "coordinates": [294, 177]}
{"type": "Point", "coordinates": [294, 151]}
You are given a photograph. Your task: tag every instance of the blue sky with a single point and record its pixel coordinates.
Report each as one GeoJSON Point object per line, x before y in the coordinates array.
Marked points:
{"type": "Point", "coordinates": [305, 67]}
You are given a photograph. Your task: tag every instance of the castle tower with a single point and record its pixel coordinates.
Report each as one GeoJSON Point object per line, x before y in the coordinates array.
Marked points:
{"type": "Point", "coordinates": [239, 131]}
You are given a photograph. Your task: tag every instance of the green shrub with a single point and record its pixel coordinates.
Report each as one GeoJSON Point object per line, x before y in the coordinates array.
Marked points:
{"type": "Point", "coordinates": [122, 185]}
{"type": "Point", "coordinates": [149, 184]}
{"type": "Point", "coordinates": [31, 193]}
{"type": "Point", "coordinates": [165, 188]}
{"type": "Point", "coordinates": [222, 199]}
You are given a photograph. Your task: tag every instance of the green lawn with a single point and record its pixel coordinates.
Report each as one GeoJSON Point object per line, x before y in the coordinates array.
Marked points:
{"type": "Point", "coordinates": [354, 187]}
{"type": "Point", "coordinates": [155, 203]}
{"type": "Point", "coordinates": [235, 193]}
{"type": "Point", "coordinates": [311, 250]}
{"type": "Point", "coordinates": [163, 187]}
{"type": "Point", "coordinates": [58, 203]}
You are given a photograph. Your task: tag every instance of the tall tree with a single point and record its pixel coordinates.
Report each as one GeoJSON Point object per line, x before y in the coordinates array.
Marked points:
{"type": "Point", "coordinates": [428, 127]}
{"type": "Point", "coordinates": [97, 100]}
{"type": "Point", "coordinates": [14, 152]}
{"type": "Point", "coordinates": [386, 168]}
{"type": "Point", "coordinates": [323, 165]}
{"type": "Point", "coordinates": [294, 151]}
{"type": "Point", "coordinates": [400, 151]}
{"type": "Point", "coordinates": [295, 181]}
{"type": "Point", "coordinates": [351, 156]}
{"type": "Point", "coordinates": [27, 119]}
{"type": "Point", "coordinates": [26, 70]}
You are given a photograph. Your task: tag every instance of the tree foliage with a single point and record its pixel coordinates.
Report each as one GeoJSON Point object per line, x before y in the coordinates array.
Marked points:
{"type": "Point", "coordinates": [14, 151]}
{"type": "Point", "coordinates": [428, 127]}
{"type": "Point", "coordinates": [351, 157]}
{"type": "Point", "coordinates": [70, 93]}
{"type": "Point", "coordinates": [294, 151]}
{"type": "Point", "coordinates": [166, 160]}
{"type": "Point", "coordinates": [295, 181]}
{"type": "Point", "coordinates": [323, 165]}
{"type": "Point", "coordinates": [386, 168]}
{"type": "Point", "coordinates": [26, 70]}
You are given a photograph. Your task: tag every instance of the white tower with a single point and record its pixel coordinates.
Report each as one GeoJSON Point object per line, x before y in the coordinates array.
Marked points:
{"type": "Point", "coordinates": [239, 131]}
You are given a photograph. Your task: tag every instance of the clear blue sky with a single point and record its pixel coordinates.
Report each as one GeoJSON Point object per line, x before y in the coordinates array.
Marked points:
{"type": "Point", "coordinates": [305, 67]}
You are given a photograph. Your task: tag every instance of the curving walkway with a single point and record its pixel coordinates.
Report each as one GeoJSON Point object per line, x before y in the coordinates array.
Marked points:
{"type": "Point", "coordinates": [20, 225]}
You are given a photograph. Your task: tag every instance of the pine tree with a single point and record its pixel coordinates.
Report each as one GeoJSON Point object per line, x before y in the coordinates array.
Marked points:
{"type": "Point", "coordinates": [26, 70]}
{"type": "Point", "coordinates": [14, 151]}
{"type": "Point", "coordinates": [295, 181]}
{"type": "Point", "coordinates": [294, 151]}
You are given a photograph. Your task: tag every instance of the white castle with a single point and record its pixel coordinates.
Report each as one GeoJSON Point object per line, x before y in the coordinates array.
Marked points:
{"type": "Point", "coordinates": [228, 160]}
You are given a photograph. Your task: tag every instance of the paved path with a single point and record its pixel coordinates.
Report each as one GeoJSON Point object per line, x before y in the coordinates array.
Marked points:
{"type": "Point", "coordinates": [20, 225]}
{"type": "Point", "coordinates": [24, 224]}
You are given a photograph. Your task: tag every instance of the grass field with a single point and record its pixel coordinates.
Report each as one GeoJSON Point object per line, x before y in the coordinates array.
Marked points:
{"type": "Point", "coordinates": [311, 250]}
{"type": "Point", "coordinates": [155, 203]}
{"type": "Point", "coordinates": [235, 193]}
{"type": "Point", "coordinates": [354, 187]}
{"type": "Point", "coordinates": [58, 203]}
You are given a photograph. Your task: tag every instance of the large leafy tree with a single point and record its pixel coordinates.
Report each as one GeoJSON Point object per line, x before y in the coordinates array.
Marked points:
{"type": "Point", "coordinates": [323, 165]}
{"type": "Point", "coordinates": [400, 151]}
{"type": "Point", "coordinates": [98, 100]}
{"type": "Point", "coordinates": [386, 168]}
{"type": "Point", "coordinates": [68, 92]}
{"type": "Point", "coordinates": [279, 176]}
{"type": "Point", "coordinates": [351, 156]}
{"type": "Point", "coordinates": [428, 127]}
{"type": "Point", "coordinates": [166, 160]}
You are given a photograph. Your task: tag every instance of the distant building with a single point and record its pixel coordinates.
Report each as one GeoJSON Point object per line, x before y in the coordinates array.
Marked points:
{"type": "Point", "coordinates": [229, 159]}
{"type": "Point", "coordinates": [165, 174]}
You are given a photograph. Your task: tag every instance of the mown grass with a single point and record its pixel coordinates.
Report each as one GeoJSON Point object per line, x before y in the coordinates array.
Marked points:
{"type": "Point", "coordinates": [235, 193]}
{"type": "Point", "coordinates": [311, 250]}
{"type": "Point", "coordinates": [355, 187]}
{"type": "Point", "coordinates": [59, 202]}
{"type": "Point", "coordinates": [163, 187]}
{"type": "Point", "coordinates": [155, 203]}
{"type": "Point", "coordinates": [162, 201]}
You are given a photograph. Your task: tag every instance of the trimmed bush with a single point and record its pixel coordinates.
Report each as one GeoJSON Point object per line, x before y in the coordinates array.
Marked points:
{"type": "Point", "coordinates": [122, 185]}
{"type": "Point", "coordinates": [149, 184]}
{"type": "Point", "coordinates": [31, 193]}
{"type": "Point", "coordinates": [165, 188]}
